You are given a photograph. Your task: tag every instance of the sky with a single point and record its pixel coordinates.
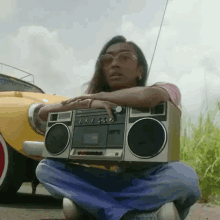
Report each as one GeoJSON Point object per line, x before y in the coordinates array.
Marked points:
{"type": "Point", "coordinates": [59, 41]}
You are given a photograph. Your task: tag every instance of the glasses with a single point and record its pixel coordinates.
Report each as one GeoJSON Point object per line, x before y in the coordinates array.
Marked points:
{"type": "Point", "coordinates": [123, 58]}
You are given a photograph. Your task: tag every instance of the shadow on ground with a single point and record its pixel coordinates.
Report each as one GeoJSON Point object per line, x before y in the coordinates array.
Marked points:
{"type": "Point", "coordinates": [29, 201]}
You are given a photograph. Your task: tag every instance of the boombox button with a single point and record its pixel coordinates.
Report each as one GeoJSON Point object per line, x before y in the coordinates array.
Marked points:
{"type": "Point", "coordinates": [116, 154]}
{"type": "Point", "coordinates": [105, 120]}
{"type": "Point", "coordinates": [111, 119]}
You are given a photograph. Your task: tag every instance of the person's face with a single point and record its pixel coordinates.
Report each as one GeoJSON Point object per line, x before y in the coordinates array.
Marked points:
{"type": "Point", "coordinates": [126, 66]}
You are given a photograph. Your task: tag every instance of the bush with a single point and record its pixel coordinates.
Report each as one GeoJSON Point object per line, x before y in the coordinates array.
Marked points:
{"type": "Point", "coordinates": [202, 152]}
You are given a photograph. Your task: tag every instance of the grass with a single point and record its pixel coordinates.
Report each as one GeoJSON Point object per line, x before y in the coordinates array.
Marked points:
{"type": "Point", "coordinates": [202, 152]}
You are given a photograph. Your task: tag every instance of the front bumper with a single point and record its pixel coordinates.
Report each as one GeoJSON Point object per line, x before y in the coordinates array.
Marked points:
{"type": "Point", "coordinates": [33, 148]}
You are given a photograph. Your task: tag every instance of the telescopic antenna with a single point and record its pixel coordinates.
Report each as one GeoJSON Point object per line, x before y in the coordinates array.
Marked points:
{"type": "Point", "coordinates": [157, 38]}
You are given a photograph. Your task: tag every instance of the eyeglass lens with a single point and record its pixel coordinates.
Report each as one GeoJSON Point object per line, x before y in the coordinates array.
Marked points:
{"type": "Point", "coordinates": [123, 58]}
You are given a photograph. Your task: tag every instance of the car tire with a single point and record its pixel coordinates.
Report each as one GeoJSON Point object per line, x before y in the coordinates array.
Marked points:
{"type": "Point", "coordinates": [12, 169]}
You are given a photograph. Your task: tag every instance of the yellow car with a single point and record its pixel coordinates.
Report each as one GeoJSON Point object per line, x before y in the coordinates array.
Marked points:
{"type": "Point", "coordinates": [19, 101]}
{"type": "Point", "coordinates": [19, 104]}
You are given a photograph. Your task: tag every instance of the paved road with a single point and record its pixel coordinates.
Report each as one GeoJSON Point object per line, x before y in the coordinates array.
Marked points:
{"type": "Point", "coordinates": [42, 206]}
{"type": "Point", "coordinates": [25, 206]}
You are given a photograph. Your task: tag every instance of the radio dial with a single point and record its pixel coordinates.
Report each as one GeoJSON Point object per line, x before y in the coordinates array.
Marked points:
{"type": "Point", "coordinates": [118, 109]}
{"type": "Point", "coordinates": [92, 120]}
{"type": "Point", "coordinates": [86, 121]}
{"type": "Point", "coordinates": [80, 121]}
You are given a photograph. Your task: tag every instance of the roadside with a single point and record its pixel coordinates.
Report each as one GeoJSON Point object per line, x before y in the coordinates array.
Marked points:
{"type": "Point", "coordinates": [199, 211]}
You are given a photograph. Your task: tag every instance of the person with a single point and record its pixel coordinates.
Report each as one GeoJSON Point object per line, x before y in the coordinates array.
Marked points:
{"type": "Point", "coordinates": [127, 191]}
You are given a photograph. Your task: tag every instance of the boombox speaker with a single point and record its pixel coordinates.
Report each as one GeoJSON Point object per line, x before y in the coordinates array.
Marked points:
{"type": "Point", "coordinates": [132, 135]}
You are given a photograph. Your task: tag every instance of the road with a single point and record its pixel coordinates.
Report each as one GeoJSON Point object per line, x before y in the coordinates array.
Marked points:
{"type": "Point", "coordinates": [42, 206]}
{"type": "Point", "coordinates": [25, 206]}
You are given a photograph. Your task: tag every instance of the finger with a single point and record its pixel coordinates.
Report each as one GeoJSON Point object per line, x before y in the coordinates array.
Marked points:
{"type": "Point", "coordinates": [109, 110]}
{"type": "Point", "coordinates": [70, 101]}
{"type": "Point", "coordinates": [63, 103]}
{"type": "Point", "coordinates": [81, 98]}
{"type": "Point", "coordinates": [112, 104]}
{"type": "Point", "coordinates": [66, 102]}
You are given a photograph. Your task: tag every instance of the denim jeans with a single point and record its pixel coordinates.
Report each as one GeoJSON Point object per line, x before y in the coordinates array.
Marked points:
{"type": "Point", "coordinates": [109, 195]}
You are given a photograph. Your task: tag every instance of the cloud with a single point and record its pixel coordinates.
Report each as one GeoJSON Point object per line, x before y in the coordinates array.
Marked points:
{"type": "Point", "coordinates": [54, 64]}
{"type": "Point", "coordinates": [188, 48]}
{"type": "Point", "coordinates": [187, 51]}
{"type": "Point", "coordinates": [7, 9]}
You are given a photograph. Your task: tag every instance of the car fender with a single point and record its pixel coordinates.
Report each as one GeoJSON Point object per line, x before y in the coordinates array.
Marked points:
{"type": "Point", "coordinates": [14, 123]}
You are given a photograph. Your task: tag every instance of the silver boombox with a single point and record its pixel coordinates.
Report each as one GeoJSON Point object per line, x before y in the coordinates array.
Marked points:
{"type": "Point", "coordinates": [133, 135]}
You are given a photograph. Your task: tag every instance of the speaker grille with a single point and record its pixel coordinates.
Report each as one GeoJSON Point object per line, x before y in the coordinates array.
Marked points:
{"type": "Point", "coordinates": [147, 138]}
{"type": "Point", "coordinates": [57, 139]}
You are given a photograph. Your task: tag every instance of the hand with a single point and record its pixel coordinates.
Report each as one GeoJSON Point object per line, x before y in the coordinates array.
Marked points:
{"type": "Point", "coordinates": [104, 104]}
{"type": "Point", "coordinates": [42, 114]}
{"type": "Point", "coordinates": [98, 101]}
{"type": "Point", "coordinates": [96, 96]}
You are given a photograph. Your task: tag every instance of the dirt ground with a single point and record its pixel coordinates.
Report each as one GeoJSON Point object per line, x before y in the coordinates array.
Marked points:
{"type": "Point", "coordinates": [202, 211]}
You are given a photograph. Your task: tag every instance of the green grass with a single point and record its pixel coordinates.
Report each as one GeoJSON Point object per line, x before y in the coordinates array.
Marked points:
{"type": "Point", "coordinates": [202, 152]}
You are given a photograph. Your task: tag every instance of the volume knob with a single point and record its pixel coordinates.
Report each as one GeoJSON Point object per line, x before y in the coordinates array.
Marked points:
{"type": "Point", "coordinates": [118, 109]}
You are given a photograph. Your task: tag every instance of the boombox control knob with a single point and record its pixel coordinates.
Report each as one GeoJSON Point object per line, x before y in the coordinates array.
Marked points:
{"type": "Point", "coordinates": [118, 109]}
{"type": "Point", "coordinates": [105, 120]}
{"type": "Point", "coordinates": [111, 120]}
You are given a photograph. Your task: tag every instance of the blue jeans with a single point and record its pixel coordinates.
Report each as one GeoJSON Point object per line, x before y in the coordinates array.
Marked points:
{"type": "Point", "coordinates": [109, 195]}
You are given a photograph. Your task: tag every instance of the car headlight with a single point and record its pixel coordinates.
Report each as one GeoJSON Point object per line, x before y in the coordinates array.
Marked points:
{"type": "Point", "coordinates": [36, 123]}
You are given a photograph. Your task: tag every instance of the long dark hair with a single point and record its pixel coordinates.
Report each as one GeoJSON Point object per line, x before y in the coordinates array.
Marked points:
{"type": "Point", "coordinates": [98, 82]}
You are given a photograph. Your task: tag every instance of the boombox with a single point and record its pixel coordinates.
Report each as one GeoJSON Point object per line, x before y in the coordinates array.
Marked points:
{"type": "Point", "coordinates": [132, 135]}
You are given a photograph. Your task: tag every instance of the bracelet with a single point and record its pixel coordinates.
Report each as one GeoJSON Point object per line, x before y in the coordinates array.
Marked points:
{"type": "Point", "coordinates": [90, 103]}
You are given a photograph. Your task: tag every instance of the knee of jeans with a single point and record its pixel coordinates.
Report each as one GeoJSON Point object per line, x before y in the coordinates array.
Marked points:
{"type": "Point", "coordinates": [41, 171]}
{"type": "Point", "coordinates": [192, 187]}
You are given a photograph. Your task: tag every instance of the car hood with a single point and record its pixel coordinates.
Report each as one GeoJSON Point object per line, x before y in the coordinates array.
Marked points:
{"type": "Point", "coordinates": [35, 97]}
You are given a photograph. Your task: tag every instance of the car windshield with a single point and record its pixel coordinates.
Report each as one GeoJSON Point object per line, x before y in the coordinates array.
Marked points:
{"type": "Point", "coordinates": [8, 83]}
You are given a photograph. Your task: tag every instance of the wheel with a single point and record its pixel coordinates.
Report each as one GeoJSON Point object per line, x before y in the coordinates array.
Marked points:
{"type": "Point", "coordinates": [12, 169]}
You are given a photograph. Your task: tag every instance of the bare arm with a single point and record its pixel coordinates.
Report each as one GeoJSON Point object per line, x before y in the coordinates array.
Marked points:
{"type": "Point", "coordinates": [58, 107]}
{"type": "Point", "coordinates": [136, 97]}
{"type": "Point", "coordinates": [141, 97]}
